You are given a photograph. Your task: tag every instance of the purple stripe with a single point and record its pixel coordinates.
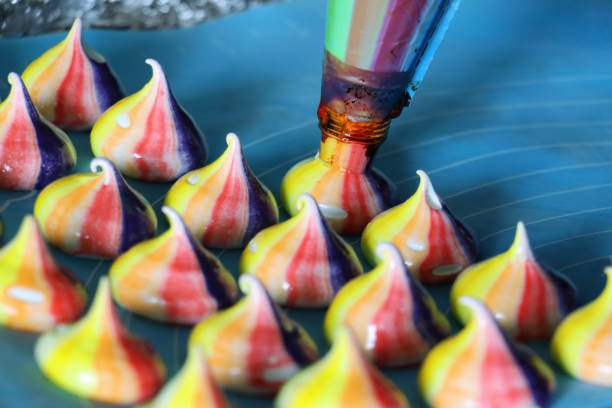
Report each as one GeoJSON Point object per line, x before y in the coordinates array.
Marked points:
{"type": "Point", "coordinates": [292, 334]}
{"type": "Point", "coordinates": [137, 226]}
{"type": "Point", "coordinates": [384, 190]}
{"type": "Point", "coordinates": [465, 237]}
{"type": "Point", "coordinates": [262, 211]}
{"type": "Point", "coordinates": [210, 266]}
{"type": "Point", "coordinates": [537, 381]}
{"type": "Point", "coordinates": [55, 160]}
{"type": "Point", "coordinates": [422, 316]}
{"type": "Point", "coordinates": [402, 20]}
{"type": "Point", "coordinates": [342, 268]}
{"type": "Point", "coordinates": [106, 86]}
{"type": "Point", "coordinates": [190, 144]}
{"type": "Point", "coordinates": [566, 292]}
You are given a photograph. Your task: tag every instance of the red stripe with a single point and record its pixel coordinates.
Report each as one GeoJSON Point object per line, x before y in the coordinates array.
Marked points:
{"type": "Point", "coordinates": [187, 300]}
{"type": "Point", "coordinates": [498, 385]}
{"type": "Point", "coordinates": [101, 228]}
{"type": "Point", "coordinates": [140, 354]}
{"type": "Point", "coordinates": [266, 350]}
{"type": "Point", "coordinates": [20, 153]}
{"type": "Point", "coordinates": [383, 389]}
{"type": "Point", "coordinates": [443, 249]}
{"type": "Point", "coordinates": [226, 226]}
{"type": "Point", "coordinates": [355, 198]}
{"type": "Point", "coordinates": [397, 340]}
{"type": "Point", "coordinates": [70, 101]}
{"type": "Point", "coordinates": [533, 312]}
{"type": "Point", "coordinates": [307, 270]}
{"type": "Point", "coordinates": [155, 144]}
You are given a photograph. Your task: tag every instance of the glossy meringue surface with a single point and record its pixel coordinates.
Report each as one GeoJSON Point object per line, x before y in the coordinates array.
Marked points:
{"type": "Point", "coordinates": [435, 245]}
{"type": "Point", "coordinates": [252, 347]}
{"type": "Point", "coordinates": [33, 152]}
{"type": "Point", "coordinates": [71, 84]}
{"type": "Point", "coordinates": [342, 378]}
{"type": "Point", "coordinates": [172, 278]}
{"type": "Point", "coordinates": [527, 299]}
{"type": "Point", "coordinates": [302, 262]}
{"type": "Point", "coordinates": [36, 293]}
{"type": "Point", "coordinates": [148, 135]}
{"type": "Point", "coordinates": [342, 180]}
{"type": "Point", "coordinates": [224, 204]}
{"type": "Point", "coordinates": [97, 358]}
{"type": "Point", "coordinates": [481, 367]}
{"type": "Point", "coordinates": [582, 344]}
{"type": "Point", "coordinates": [192, 387]}
{"type": "Point", "coordinates": [394, 320]}
{"type": "Point", "coordinates": [95, 214]}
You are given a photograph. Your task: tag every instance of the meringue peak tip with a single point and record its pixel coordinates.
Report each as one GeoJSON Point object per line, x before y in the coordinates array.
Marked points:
{"type": "Point", "coordinates": [475, 305]}
{"type": "Point", "coordinates": [106, 166]}
{"type": "Point", "coordinates": [158, 71]}
{"type": "Point", "coordinates": [389, 252]}
{"type": "Point", "coordinates": [249, 283]}
{"type": "Point", "coordinates": [232, 139]}
{"type": "Point", "coordinates": [306, 201]}
{"type": "Point", "coordinates": [14, 78]}
{"type": "Point", "coordinates": [76, 29]}
{"type": "Point", "coordinates": [521, 240]}
{"type": "Point", "coordinates": [174, 218]}
{"type": "Point", "coordinates": [432, 198]}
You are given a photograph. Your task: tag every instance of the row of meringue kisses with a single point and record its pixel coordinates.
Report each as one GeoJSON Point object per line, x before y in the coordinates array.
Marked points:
{"type": "Point", "coordinates": [383, 317]}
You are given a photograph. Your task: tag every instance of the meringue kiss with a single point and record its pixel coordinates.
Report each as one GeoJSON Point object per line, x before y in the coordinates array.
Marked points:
{"type": "Point", "coordinates": [36, 293]}
{"type": "Point", "coordinates": [527, 299]}
{"type": "Point", "coordinates": [97, 358]}
{"type": "Point", "coordinates": [393, 318]}
{"type": "Point", "coordinates": [148, 135]}
{"type": "Point", "coordinates": [33, 152]}
{"type": "Point", "coordinates": [172, 278]}
{"type": "Point", "coordinates": [435, 245]}
{"type": "Point", "coordinates": [71, 84]}
{"type": "Point", "coordinates": [94, 214]}
{"type": "Point", "coordinates": [252, 347]}
{"type": "Point", "coordinates": [224, 204]}
{"type": "Point", "coordinates": [480, 367]}
{"type": "Point", "coordinates": [302, 262]}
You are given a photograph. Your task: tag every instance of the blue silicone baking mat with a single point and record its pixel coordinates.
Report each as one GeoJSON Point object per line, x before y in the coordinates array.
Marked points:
{"type": "Point", "coordinates": [513, 122]}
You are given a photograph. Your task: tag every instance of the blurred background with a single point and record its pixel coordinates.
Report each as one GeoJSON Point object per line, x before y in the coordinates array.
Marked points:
{"type": "Point", "coordinates": [26, 17]}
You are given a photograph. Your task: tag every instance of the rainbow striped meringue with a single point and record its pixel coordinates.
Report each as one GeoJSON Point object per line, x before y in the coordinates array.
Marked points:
{"type": "Point", "coordinates": [172, 278]}
{"type": "Point", "coordinates": [33, 152]}
{"type": "Point", "coordinates": [435, 245]}
{"type": "Point", "coordinates": [192, 387]}
{"type": "Point", "coordinates": [582, 344]}
{"type": "Point", "coordinates": [94, 214]}
{"type": "Point", "coordinates": [252, 347]}
{"type": "Point", "coordinates": [393, 318]}
{"type": "Point", "coordinates": [71, 84]}
{"type": "Point", "coordinates": [97, 358]}
{"type": "Point", "coordinates": [342, 378]}
{"type": "Point", "coordinates": [480, 367]}
{"type": "Point", "coordinates": [527, 299]}
{"type": "Point", "coordinates": [350, 192]}
{"type": "Point", "coordinates": [224, 204]}
{"type": "Point", "coordinates": [148, 135]}
{"type": "Point", "coordinates": [36, 293]}
{"type": "Point", "coordinates": [302, 262]}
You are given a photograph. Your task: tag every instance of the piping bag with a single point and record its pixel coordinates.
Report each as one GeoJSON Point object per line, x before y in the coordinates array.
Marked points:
{"type": "Point", "coordinates": [376, 54]}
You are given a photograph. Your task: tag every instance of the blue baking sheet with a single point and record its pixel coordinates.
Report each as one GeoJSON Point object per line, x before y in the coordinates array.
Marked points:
{"type": "Point", "coordinates": [513, 122]}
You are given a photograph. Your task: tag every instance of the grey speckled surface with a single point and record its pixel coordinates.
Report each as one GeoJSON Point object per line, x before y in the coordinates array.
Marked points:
{"type": "Point", "coordinates": [23, 17]}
